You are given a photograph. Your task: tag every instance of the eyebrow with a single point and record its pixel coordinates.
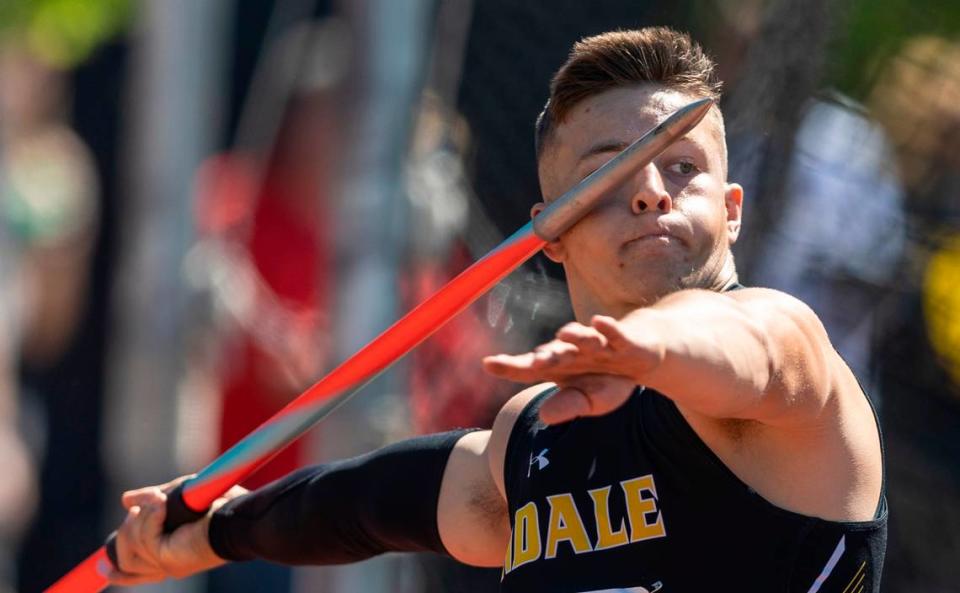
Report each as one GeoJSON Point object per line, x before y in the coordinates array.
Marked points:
{"type": "Point", "coordinates": [614, 146]}
{"type": "Point", "coordinates": [600, 148]}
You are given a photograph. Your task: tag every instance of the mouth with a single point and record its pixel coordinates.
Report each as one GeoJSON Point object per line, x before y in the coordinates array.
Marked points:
{"type": "Point", "coordinates": [656, 237]}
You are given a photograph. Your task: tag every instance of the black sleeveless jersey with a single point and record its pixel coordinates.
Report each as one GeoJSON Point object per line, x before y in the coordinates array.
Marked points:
{"type": "Point", "coordinates": [634, 501]}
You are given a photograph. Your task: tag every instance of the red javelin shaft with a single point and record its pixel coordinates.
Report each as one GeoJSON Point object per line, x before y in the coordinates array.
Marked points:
{"type": "Point", "coordinates": [334, 389]}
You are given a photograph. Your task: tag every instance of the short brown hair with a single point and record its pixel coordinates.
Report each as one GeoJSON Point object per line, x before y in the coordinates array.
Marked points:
{"type": "Point", "coordinates": [623, 58]}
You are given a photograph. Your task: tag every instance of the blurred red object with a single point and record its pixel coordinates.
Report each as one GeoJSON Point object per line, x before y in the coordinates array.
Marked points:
{"type": "Point", "coordinates": [448, 387]}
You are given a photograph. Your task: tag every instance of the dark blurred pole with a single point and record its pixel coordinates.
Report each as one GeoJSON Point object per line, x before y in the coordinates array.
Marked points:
{"type": "Point", "coordinates": [782, 69]}
{"type": "Point", "coordinates": [174, 110]}
{"type": "Point", "coordinates": [512, 51]}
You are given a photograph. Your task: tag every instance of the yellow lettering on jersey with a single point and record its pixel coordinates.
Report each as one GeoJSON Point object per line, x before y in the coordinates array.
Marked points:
{"type": "Point", "coordinates": [526, 535]}
{"type": "Point", "coordinates": [639, 509]}
{"type": "Point", "coordinates": [565, 525]}
{"type": "Point", "coordinates": [606, 536]}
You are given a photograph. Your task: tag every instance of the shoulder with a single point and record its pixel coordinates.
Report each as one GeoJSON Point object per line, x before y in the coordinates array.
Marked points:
{"type": "Point", "coordinates": [503, 428]}
{"type": "Point", "coordinates": [775, 305]}
{"type": "Point", "coordinates": [769, 300]}
{"type": "Point", "coordinates": [809, 374]}
{"type": "Point", "coordinates": [782, 318]}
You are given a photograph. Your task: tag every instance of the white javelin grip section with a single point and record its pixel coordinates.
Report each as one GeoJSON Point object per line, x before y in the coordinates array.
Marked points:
{"type": "Point", "coordinates": [573, 205]}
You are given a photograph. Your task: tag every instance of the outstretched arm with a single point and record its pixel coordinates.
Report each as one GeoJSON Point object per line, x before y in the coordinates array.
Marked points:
{"type": "Point", "coordinates": [332, 513]}
{"type": "Point", "coordinates": [441, 492]}
{"type": "Point", "coordinates": [753, 354]}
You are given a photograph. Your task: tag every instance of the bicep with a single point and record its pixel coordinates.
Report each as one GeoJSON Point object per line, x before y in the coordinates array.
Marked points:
{"type": "Point", "coordinates": [472, 511]}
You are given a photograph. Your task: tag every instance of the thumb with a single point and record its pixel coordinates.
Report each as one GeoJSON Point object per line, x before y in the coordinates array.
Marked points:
{"type": "Point", "coordinates": [143, 497]}
{"type": "Point", "coordinates": [586, 395]}
{"type": "Point", "coordinates": [565, 405]}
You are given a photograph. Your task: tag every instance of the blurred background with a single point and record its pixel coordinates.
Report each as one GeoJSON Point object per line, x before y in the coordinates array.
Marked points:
{"type": "Point", "coordinates": [205, 205]}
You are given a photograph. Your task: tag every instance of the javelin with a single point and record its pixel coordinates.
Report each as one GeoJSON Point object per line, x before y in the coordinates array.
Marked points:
{"type": "Point", "coordinates": [190, 500]}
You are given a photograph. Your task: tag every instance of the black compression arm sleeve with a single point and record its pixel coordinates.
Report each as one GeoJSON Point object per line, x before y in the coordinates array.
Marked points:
{"type": "Point", "coordinates": [384, 501]}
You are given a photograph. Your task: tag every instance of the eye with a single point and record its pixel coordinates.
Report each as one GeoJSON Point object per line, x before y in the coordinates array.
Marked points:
{"type": "Point", "coordinates": [588, 173]}
{"type": "Point", "coordinates": [683, 167]}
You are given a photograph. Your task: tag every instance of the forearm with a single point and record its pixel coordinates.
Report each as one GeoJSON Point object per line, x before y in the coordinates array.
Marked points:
{"type": "Point", "coordinates": [727, 355]}
{"type": "Point", "coordinates": [751, 354]}
{"type": "Point", "coordinates": [341, 512]}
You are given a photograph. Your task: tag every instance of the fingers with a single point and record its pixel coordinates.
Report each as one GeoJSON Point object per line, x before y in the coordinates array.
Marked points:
{"type": "Point", "coordinates": [148, 531]}
{"type": "Point", "coordinates": [586, 395]}
{"type": "Point", "coordinates": [131, 497]}
{"type": "Point", "coordinates": [137, 546]}
{"type": "Point", "coordinates": [139, 525]}
{"type": "Point", "coordinates": [507, 367]}
{"type": "Point", "coordinates": [537, 365]}
{"type": "Point", "coordinates": [138, 538]}
{"type": "Point", "coordinates": [553, 352]}
{"type": "Point", "coordinates": [117, 577]}
{"type": "Point", "coordinates": [145, 554]}
{"type": "Point", "coordinates": [512, 367]}
{"type": "Point", "coordinates": [611, 330]}
{"type": "Point", "coordinates": [127, 559]}
{"type": "Point", "coordinates": [143, 497]}
{"type": "Point", "coordinates": [604, 347]}
{"type": "Point", "coordinates": [587, 339]}
{"type": "Point", "coordinates": [564, 405]}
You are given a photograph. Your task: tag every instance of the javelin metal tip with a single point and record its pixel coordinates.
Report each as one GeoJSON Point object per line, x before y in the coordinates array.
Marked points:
{"type": "Point", "coordinates": [687, 117]}
{"type": "Point", "coordinates": [574, 204]}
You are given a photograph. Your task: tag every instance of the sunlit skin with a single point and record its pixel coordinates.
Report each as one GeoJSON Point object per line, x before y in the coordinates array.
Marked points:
{"type": "Point", "coordinates": [669, 227]}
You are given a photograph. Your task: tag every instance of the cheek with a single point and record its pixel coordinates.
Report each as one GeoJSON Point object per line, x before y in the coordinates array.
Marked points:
{"type": "Point", "coordinates": [593, 237]}
{"type": "Point", "coordinates": [707, 215]}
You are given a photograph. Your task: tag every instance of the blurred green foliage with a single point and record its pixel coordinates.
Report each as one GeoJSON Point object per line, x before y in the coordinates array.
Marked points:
{"type": "Point", "coordinates": [875, 32]}
{"type": "Point", "coordinates": [63, 32]}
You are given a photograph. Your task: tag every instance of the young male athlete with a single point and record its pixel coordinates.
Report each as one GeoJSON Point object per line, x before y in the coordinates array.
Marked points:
{"type": "Point", "coordinates": [749, 460]}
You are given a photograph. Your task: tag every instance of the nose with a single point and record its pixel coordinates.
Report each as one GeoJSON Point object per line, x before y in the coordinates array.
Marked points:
{"type": "Point", "coordinates": [648, 192]}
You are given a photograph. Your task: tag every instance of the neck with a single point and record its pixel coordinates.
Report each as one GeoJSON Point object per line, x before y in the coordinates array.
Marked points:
{"type": "Point", "coordinates": [586, 304]}
{"type": "Point", "coordinates": [726, 277]}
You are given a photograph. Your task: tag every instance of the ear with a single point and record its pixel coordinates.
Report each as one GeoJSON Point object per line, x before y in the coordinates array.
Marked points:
{"type": "Point", "coordinates": [733, 201]}
{"type": "Point", "coordinates": [554, 249]}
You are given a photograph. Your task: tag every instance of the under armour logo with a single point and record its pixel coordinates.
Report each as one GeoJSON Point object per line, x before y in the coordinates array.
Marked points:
{"type": "Point", "coordinates": [541, 461]}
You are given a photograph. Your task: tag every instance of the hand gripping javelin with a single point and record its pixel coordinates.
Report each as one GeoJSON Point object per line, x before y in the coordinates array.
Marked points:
{"type": "Point", "coordinates": [190, 500]}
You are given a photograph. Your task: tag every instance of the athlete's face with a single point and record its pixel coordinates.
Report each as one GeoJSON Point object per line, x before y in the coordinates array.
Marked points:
{"type": "Point", "coordinates": [669, 227]}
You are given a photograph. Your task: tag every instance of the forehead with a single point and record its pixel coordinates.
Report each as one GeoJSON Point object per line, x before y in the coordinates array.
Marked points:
{"type": "Point", "coordinates": [622, 115]}
{"type": "Point", "coordinates": [639, 106]}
